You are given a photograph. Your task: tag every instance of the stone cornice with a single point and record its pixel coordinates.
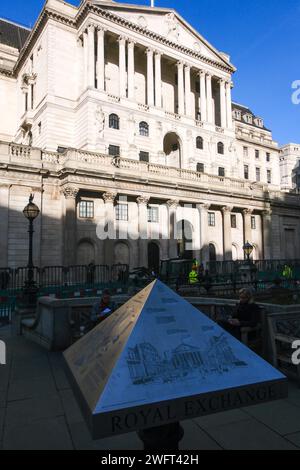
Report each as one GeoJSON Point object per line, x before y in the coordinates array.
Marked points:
{"type": "Point", "coordinates": [47, 13]}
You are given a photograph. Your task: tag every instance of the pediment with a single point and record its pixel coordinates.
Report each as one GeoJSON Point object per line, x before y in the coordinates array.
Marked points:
{"type": "Point", "coordinates": [167, 23]}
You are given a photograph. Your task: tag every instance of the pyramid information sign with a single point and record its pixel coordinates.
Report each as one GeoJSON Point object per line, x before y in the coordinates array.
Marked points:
{"type": "Point", "coordinates": [158, 360]}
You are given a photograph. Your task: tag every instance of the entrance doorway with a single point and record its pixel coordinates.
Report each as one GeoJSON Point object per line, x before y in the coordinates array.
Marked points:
{"type": "Point", "coordinates": [153, 257]}
{"type": "Point", "coordinates": [172, 150]}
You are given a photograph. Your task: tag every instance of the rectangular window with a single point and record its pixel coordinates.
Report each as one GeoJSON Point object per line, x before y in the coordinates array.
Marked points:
{"type": "Point", "coordinates": [257, 173]}
{"type": "Point", "coordinates": [268, 157]}
{"type": "Point", "coordinates": [253, 222]}
{"type": "Point", "coordinates": [211, 219]}
{"type": "Point", "coordinates": [32, 97]}
{"type": "Point", "coordinates": [26, 101]}
{"type": "Point", "coordinates": [144, 156]}
{"type": "Point", "coordinates": [246, 172]}
{"type": "Point", "coordinates": [122, 212]}
{"type": "Point", "coordinates": [197, 87]}
{"type": "Point", "coordinates": [200, 167]}
{"type": "Point", "coordinates": [233, 221]}
{"type": "Point", "coordinates": [256, 153]}
{"type": "Point", "coordinates": [114, 150]}
{"type": "Point", "coordinates": [269, 176]}
{"type": "Point", "coordinates": [221, 171]}
{"type": "Point", "coordinates": [153, 215]}
{"type": "Point", "coordinates": [245, 151]}
{"type": "Point", "coordinates": [86, 209]}
{"type": "Point", "coordinates": [40, 128]}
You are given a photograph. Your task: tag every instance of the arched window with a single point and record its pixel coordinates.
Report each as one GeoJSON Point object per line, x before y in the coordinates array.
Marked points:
{"type": "Point", "coordinates": [199, 143]}
{"type": "Point", "coordinates": [114, 121]}
{"type": "Point", "coordinates": [221, 148]}
{"type": "Point", "coordinates": [144, 129]}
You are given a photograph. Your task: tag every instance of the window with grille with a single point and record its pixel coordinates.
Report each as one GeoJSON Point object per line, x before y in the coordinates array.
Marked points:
{"type": "Point", "coordinates": [246, 172]}
{"type": "Point", "coordinates": [268, 157]}
{"type": "Point", "coordinates": [122, 212]}
{"type": "Point", "coordinates": [86, 209]}
{"type": "Point", "coordinates": [114, 150]}
{"type": "Point", "coordinates": [233, 221]}
{"type": "Point", "coordinates": [211, 219]}
{"type": "Point", "coordinates": [144, 156]}
{"type": "Point", "coordinates": [269, 176]}
{"type": "Point", "coordinates": [245, 150]}
{"type": "Point", "coordinates": [200, 167]}
{"type": "Point", "coordinates": [153, 216]}
{"type": "Point", "coordinates": [221, 171]}
{"type": "Point", "coordinates": [144, 129]}
{"type": "Point", "coordinates": [221, 148]}
{"type": "Point", "coordinates": [114, 121]}
{"type": "Point", "coordinates": [257, 173]}
{"type": "Point", "coordinates": [199, 143]}
{"type": "Point", "coordinates": [253, 223]}
{"type": "Point", "coordinates": [256, 153]}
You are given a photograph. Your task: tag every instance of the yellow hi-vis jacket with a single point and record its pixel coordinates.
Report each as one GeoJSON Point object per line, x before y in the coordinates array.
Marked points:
{"type": "Point", "coordinates": [193, 277]}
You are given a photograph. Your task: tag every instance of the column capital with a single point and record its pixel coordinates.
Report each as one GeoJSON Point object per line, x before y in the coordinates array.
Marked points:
{"type": "Point", "coordinates": [227, 209]}
{"type": "Point", "coordinates": [208, 75]}
{"type": "Point", "coordinates": [201, 73]}
{"type": "Point", "coordinates": [158, 54]}
{"type": "Point", "coordinates": [131, 43]}
{"type": "Point", "coordinates": [267, 213]}
{"type": "Point", "coordinates": [109, 197]}
{"type": "Point", "coordinates": [142, 200]}
{"type": "Point", "coordinates": [221, 81]}
{"type": "Point", "coordinates": [204, 206]}
{"type": "Point", "coordinates": [187, 67]}
{"type": "Point", "coordinates": [91, 26]}
{"type": "Point", "coordinates": [122, 39]}
{"type": "Point", "coordinates": [100, 29]}
{"type": "Point", "coordinates": [180, 64]}
{"type": "Point", "coordinates": [70, 192]}
{"type": "Point", "coordinates": [173, 203]}
{"type": "Point", "coordinates": [5, 185]}
{"type": "Point", "coordinates": [247, 211]}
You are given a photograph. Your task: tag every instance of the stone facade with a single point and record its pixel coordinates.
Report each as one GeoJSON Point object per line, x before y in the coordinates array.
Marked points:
{"type": "Point", "coordinates": [117, 105]}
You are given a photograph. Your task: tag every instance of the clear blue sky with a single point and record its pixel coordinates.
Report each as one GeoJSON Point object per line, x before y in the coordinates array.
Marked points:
{"type": "Point", "coordinates": [261, 36]}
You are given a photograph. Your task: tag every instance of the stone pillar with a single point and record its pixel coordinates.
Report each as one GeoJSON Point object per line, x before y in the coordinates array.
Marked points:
{"type": "Point", "coordinates": [91, 56]}
{"type": "Point", "coordinates": [187, 77]}
{"type": "Point", "coordinates": [172, 206]}
{"type": "Point", "coordinates": [180, 88]}
{"type": "Point", "coordinates": [247, 225]}
{"type": "Point", "coordinates": [101, 60]}
{"type": "Point", "coordinates": [150, 78]}
{"type": "Point", "coordinates": [202, 209]}
{"type": "Point", "coordinates": [227, 238]}
{"type": "Point", "coordinates": [131, 70]}
{"type": "Point", "coordinates": [4, 213]}
{"type": "Point", "coordinates": [210, 117]}
{"type": "Point", "coordinates": [158, 103]}
{"type": "Point", "coordinates": [70, 225]}
{"type": "Point", "coordinates": [143, 230]}
{"type": "Point", "coordinates": [267, 234]}
{"type": "Point", "coordinates": [202, 104]}
{"type": "Point", "coordinates": [229, 105]}
{"type": "Point", "coordinates": [223, 103]}
{"type": "Point", "coordinates": [122, 66]}
{"type": "Point", "coordinates": [109, 243]}
{"type": "Point", "coordinates": [85, 60]}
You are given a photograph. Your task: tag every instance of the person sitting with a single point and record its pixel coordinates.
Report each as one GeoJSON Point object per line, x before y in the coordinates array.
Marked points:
{"type": "Point", "coordinates": [103, 308]}
{"type": "Point", "coordinates": [246, 314]}
{"type": "Point", "coordinates": [193, 276]}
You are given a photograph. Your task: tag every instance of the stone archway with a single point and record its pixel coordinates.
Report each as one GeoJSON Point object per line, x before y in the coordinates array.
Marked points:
{"type": "Point", "coordinates": [173, 149]}
{"type": "Point", "coordinates": [153, 257]}
{"type": "Point", "coordinates": [85, 252]}
{"type": "Point", "coordinates": [121, 253]}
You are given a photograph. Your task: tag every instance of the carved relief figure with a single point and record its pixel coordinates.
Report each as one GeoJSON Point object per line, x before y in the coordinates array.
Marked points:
{"type": "Point", "coordinates": [173, 27]}
{"type": "Point", "coordinates": [100, 121]}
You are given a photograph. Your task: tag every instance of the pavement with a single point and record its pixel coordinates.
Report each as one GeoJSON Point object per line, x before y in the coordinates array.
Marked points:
{"type": "Point", "coordinates": [38, 411]}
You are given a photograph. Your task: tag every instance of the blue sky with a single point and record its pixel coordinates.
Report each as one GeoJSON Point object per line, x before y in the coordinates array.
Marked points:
{"type": "Point", "coordinates": [261, 36]}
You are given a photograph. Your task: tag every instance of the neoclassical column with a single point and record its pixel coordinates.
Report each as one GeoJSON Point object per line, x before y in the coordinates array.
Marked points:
{"type": "Point", "coordinates": [4, 214]}
{"type": "Point", "coordinates": [227, 237]}
{"type": "Point", "coordinates": [101, 59]}
{"type": "Point", "coordinates": [267, 233]}
{"type": "Point", "coordinates": [158, 79]}
{"type": "Point", "coordinates": [85, 59]}
{"type": "Point", "coordinates": [202, 104]}
{"type": "Point", "coordinates": [143, 230]}
{"type": "Point", "coordinates": [180, 88]}
{"type": "Point", "coordinates": [204, 242]}
{"type": "Point", "coordinates": [91, 56]}
{"type": "Point", "coordinates": [210, 117]}
{"type": "Point", "coordinates": [150, 78]}
{"type": "Point", "coordinates": [131, 69]}
{"type": "Point", "coordinates": [122, 66]}
{"type": "Point", "coordinates": [247, 225]}
{"type": "Point", "coordinates": [187, 77]}
{"type": "Point", "coordinates": [229, 105]}
{"type": "Point", "coordinates": [223, 103]}
{"type": "Point", "coordinates": [172, 207]}
{"type": "Point", "coordinates": [109, 243]}
{"type": "Point", "coordinates": [70, 225]}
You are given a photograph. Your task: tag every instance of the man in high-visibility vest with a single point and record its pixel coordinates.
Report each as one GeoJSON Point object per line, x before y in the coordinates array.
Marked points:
{"type": "Point", "coordinates": [287, 272]}
{"type": "Point", "coordinates": [193, 276]}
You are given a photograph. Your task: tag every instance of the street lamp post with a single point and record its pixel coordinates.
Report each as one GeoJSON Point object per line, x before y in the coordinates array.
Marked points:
{"type": "Point", "coordinates": [248, 248]}
{"type": "Point", "coordinates": [31, 212]}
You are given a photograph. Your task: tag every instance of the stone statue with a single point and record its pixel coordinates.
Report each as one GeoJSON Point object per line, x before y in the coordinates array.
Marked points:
{"type": "Point", "coordinates": [173, 27]}
{"type": "Point", "coordinates": [131, 129]}
{"type": "Point", "coordinates": [100, 121]}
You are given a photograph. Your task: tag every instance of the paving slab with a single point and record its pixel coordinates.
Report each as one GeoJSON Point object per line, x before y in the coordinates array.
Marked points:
{"type": "Point", "coordinates": [248, 435]}
{"type": "Point", "coordinates": [35, 367]}
{"type": "Point", "coordinates": [294, 438]}
{"type": "Point", "coordinates": [71, 409]}
{"type": "Point", "coordinates": [2, 415]}
{"type": "Point", "coordinates": [23, 412]}
{"type": "Point", "coordinates": [3, 394]}
{"type": "Point", "coordinates": [294, 394]}
{"type": "Point", "coordinates": [196, 439]}
{"type": "Point", "coordinates": [281, 416]}
{"type": "Point", "coordinates": [31, 387]}
{"type": "Point", "coordinates": [226, 417]}
{"type": "Point", "coordinates": [45, 434]}
{"type": "Point", "coordinates": [58, 370]}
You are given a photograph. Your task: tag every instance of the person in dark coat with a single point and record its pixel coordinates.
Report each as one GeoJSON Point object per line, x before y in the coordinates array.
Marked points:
{"type": "Point", "coordinates": [246, 314]}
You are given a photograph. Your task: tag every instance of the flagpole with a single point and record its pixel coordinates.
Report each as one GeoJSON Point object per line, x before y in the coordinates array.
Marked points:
{"type": "Point", "coordinates": [152, 3]}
